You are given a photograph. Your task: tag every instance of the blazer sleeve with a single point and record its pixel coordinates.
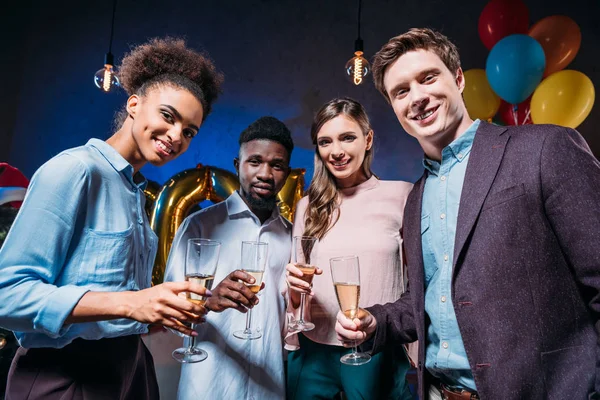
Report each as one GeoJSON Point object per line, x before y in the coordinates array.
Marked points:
{"type": "Point", "coordinates": [395, 324]}
{"type": "Point", "coordinates": [570, 176]}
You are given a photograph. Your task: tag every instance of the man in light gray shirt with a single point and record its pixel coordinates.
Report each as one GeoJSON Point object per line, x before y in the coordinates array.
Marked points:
{"type": "Point", "coordinates": [235, 368]}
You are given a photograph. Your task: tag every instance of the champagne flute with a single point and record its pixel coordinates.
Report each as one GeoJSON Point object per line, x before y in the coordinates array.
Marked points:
{"type": "Point", "coordinates": [254, 260]}
{"type": "Point", "coordinates": [304, 253]}
{"type": "Point", "coordinates": [201, 260]}
{"type": "Point", "coordinates": [345, 272]}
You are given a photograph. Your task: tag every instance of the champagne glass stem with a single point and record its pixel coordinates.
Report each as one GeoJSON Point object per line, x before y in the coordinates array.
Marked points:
{"type": "Point", "coordinates": [302, 300]}
{"type": "Point", "coordinates": [192, 341]}
{"type": "Point", "coordinates": [248, 321]}
{"type": "Point", "coordinates": [355, 348]}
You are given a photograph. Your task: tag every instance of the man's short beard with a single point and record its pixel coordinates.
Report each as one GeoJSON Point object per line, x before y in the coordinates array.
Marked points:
{"type": "Point", "coordinates": [261, 204]}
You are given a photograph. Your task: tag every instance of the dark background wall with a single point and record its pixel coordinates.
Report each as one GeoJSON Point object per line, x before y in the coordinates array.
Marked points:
{"type": "Point", "coordinates": [282, 58]}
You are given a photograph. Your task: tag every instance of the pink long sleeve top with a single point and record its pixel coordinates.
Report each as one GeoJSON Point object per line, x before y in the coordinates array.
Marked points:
{"type": "Point", "coordinates": [368, 227]}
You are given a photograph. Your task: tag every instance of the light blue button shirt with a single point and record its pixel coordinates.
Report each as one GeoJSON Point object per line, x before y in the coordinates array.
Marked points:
{"type": "Point", "coordinates": [445, 353]}
{"type": "Point", "coordinates": [82, 227]}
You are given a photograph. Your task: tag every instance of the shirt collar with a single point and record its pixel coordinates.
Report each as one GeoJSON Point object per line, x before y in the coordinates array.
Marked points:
{"type": "Point", "coordinates": [237, 206]}
{"type": "Point", "coordinates": [117, 161]}
{"type": "Point", "coordinates": [458, 149]}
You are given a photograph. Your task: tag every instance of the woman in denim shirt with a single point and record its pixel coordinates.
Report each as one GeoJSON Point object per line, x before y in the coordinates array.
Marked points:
{"type": "Point", "coordinates": [77, 291]}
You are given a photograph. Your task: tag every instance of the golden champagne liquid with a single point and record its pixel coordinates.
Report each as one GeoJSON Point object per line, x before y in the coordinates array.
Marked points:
{"type": "Point", "coordinates": [308, 272]}
{"type": "Point", "coordinates": [258, 276]}
{"type": "Point", "coordinates": [205, 281]}
{"type": "Point", "coordinates": [348, 295]}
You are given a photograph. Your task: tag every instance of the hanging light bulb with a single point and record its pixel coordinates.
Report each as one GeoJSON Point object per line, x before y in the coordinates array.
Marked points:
{"type": "Point", "coordinates": [106, 78]}
{"type": "Point", "coordinates": [357, 67]}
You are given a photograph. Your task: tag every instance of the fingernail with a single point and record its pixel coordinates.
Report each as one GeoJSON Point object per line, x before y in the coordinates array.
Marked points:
{"type": "Point", "coordinates": [208, 293]}
{"type": "Point", "coordinates": [252, 280]}
{"type": "Point", "coordinates": [194, 333]}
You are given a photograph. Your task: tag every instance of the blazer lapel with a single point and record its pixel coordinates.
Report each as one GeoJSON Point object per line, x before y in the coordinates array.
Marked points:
{"type": "Point", "coordinates": [412, 241]}
{"type": "Point", "coordinates": [484, 161]}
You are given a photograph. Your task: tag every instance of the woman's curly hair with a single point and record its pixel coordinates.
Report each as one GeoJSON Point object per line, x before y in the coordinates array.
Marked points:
{"type": "Point", "coordinates": [169, 61]}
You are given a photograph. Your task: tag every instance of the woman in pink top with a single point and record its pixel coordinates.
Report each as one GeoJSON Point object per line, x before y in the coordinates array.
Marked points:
{"type": "Point", "coordinates": [352, 212]}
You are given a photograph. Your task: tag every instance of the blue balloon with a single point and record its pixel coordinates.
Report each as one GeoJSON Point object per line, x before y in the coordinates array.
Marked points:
{"type": "Point", "coordinates": [515, 67]}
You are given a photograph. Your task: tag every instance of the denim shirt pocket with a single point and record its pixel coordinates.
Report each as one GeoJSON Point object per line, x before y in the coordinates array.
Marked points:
{"type": "Point", "coordinates": [107, 260]}
{"type": "Point", "coordinates": [427, 248]}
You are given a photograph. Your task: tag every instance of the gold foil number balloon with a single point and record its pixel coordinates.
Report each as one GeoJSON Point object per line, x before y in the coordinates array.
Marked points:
{"type": "Point", "coordinates": [292, 191]}
{"type": "Point", "coordinates": [151, 192]}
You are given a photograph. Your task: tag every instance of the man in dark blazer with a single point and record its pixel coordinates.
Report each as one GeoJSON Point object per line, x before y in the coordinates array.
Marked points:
{"type": "Point", "coordinates": [502, 243]}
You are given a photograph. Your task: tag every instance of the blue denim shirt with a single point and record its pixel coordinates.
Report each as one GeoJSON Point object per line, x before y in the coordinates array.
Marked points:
{"type": "Point", "coordinates": [81, 227]}
{"type": "Point", "coordinates": [445, 353]}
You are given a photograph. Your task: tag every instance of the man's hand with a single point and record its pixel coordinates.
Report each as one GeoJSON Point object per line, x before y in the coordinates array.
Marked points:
{"type": "Point", "coordinates": [233, 293]}
{"type": "Point", "coordinates": [162, 305]}
{"type": "Point", "coordinates": [356, 331]}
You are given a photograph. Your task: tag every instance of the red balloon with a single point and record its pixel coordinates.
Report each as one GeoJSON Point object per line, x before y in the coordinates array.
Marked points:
{"type": "Point", "coordinates": [522, 116]}
{"type": "Point", "coordinates": [501, 18]}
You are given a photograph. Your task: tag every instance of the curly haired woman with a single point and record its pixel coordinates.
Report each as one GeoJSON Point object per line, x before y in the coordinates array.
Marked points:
{"type": "Point", "coordinates": [77, 295]}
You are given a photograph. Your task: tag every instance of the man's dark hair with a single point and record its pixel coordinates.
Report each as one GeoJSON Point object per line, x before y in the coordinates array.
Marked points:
{"type": "Point", "coordinates": [268, 128]}
{"type": "Point", "coordinates": [414, 39]}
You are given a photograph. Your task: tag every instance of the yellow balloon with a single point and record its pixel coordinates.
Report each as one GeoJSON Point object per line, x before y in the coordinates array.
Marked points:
{"type": "Point", "coordinates": [564, 98]}
{"type": "Point", "coordinates": [480, 99]}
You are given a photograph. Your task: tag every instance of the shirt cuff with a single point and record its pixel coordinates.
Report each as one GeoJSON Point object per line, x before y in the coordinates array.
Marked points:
{"type": "Point", "coordinates": [57, 308]}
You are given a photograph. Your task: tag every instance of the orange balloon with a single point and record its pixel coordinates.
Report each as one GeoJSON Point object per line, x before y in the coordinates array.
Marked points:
{"type": "Point", "coordinates": [560, 38]}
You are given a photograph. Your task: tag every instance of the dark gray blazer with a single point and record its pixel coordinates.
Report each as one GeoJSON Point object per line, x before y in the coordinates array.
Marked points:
{"type": "Point", "coordinates": [526, 271]}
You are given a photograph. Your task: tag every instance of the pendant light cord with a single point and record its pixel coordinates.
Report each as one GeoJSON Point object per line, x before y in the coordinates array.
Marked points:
{"type": "Point", "coordinates": [359, 9]}
{"type": "Point", "coordinates": [112, 26]}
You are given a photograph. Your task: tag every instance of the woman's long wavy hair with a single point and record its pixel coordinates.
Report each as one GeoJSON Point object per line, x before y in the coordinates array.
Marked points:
{"type": "Point", "coordinates": [323, 200]}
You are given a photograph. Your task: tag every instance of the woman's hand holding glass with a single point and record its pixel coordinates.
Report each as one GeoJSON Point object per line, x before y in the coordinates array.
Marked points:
{"type": "Point", "coordinates": [201, 260]}
{"type": "Point", "coordinates": [300, 275]}
{"type": "Point", "coordinates": [299, 283]}
{"type": "Point", "coordinates": [345, 273]}
{"type": "Point", "coordinates": [353, 332]}
{"type": "Point", "coordinates": [162, 305]}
